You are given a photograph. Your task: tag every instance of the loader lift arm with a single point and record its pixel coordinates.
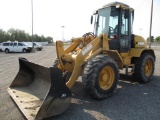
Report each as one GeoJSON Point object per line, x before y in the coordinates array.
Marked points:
{"type": "Point", "coordinates": [78, 59]}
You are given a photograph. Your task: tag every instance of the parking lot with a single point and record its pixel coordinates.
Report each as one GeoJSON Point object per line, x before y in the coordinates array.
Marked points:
{"type": "Point", "coordinates": [131, 101]}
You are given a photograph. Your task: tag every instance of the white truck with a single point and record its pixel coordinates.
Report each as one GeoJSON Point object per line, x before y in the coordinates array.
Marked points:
{"type": "Point", "coordinates": [16, 47]}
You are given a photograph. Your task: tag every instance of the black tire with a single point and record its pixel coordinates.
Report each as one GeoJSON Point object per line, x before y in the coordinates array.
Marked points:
{"type": "Point", "coordinates": [7, 50]}
{"type": "Point", "coordinates": [92, 73]}
{"type": "Point", "coordinates": [66, 75]}
{"type": "Point", "coordinates": [38, 49]}
{"type": "Point", "coordinates": [24, 50]}
{"type": "Point", "coordinates": [140, 73]}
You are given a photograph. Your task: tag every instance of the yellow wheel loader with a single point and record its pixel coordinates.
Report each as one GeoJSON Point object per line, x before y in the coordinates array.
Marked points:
{"type": "Point", "coordinates": [41, 92]}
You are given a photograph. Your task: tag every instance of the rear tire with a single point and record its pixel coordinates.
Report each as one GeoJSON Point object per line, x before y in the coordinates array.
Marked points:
{"type": "Point", "coordinates": [100, 76]}
{"type": "Point", "coordinates": [7, 50]}
{"type": "Point", "coordinates": [144, 68]}
{"type": "Point", "coordinates": [24, 50]}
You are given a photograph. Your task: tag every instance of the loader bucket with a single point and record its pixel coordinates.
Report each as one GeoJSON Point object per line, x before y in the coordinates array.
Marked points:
{"type": "Point", "coordinates": [39, 92]}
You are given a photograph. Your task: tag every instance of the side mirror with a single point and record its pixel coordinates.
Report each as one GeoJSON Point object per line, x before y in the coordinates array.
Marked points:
{"type": "Point", "coordinates": [91, 19]}
{"type": "Point", "coordinates": [126, 14]}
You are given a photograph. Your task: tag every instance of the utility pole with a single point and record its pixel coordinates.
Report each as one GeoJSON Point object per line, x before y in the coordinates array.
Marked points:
{"type": "Point", "coordinates": [150, 25]}
{"type": "Point", "coordinates": [63, 33]}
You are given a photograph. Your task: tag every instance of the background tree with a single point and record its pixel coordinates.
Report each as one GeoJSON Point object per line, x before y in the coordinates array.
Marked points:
{"type": "Point", "coordinates": [11, 33]}
{"type": "Point", "coordinates": [49, 39]}
{"type": "Point", "coordinates": [20, 35]}
{"type": "Point", "coordinates": [2, 35]}
{"type": "Point", "coordinates": [152, 39]}
{"type": "Point", "coordinates": [157, 39]}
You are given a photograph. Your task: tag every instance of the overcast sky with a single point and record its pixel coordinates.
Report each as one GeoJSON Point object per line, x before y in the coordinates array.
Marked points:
{"type": "Point", "coordinates": [50, 15]}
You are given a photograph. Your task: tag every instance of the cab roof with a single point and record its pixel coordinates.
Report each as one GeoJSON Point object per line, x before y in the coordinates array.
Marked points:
{"type": "Point", "coordinates": [122, 5]}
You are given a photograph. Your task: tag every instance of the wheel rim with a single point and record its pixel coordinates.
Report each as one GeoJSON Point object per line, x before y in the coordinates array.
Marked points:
{"type": "Point", "coordinates": [106, 78]}
{"type": "Point", "coordinates": [148, 68]}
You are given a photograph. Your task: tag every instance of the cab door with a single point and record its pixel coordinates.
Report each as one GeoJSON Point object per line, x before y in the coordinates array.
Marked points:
{"type": "Point", "coordinates": [125, 32]}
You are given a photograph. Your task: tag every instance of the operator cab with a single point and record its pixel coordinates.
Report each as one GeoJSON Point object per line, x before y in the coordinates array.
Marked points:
{"type": "Point", "coordinates": [115, 19]}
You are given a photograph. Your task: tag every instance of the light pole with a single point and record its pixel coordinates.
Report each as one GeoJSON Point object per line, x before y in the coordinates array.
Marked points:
{"type": "Point", "coordinates": [63, 33]}
{"type": "Point", "coordinates": [140, 31]}
{"type": "Point", "coordinates": [150, 25]}
{"type": "Point", "coordinates": [33, 50]}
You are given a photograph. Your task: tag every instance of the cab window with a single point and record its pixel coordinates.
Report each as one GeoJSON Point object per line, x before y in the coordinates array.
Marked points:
{"type": "Point", "coordinates": [15, 44]}
{"type": "Point", "coordinates": [11, 44]}
{"type": "Point", "coordinates": [20, 44]}
{"type": "Point", "coordinates": [124, 26]}
{"type": "Point", "coordinates": [113, 21]}
{"type": "Point", "coordinates": [5, 44]}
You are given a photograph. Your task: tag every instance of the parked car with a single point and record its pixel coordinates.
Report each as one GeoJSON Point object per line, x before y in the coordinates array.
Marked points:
{"type": "Point", "coordinates": [0, 47]}
{"type": "Point", "coordinates": [38, 46]}
{"type": "Point", "coordinates": [16, 47]}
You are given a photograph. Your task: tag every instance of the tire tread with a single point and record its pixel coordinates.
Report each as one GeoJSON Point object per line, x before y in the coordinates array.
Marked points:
{"type": "Point", "coordinates": [90, 75]}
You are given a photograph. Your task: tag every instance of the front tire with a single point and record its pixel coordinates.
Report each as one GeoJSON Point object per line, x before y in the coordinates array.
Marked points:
{"type": "Point", "coordinates": [144, 68]}
{"type": "Point", "coordinates": [38, 49]}
{"type": "Point", "coordinates": [100, 76]}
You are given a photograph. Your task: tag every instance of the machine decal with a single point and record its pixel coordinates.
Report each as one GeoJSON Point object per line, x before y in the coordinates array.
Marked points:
{"type": "Point", "coordinates": [140, 43]}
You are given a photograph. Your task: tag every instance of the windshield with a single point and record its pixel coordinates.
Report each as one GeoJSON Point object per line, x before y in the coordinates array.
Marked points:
{"type": "Point", "coordinates": [36, 44]}
{"type": "Point", "coordinates": [107, 21]}
{"type": "Point", "coordinates": [25, 44]}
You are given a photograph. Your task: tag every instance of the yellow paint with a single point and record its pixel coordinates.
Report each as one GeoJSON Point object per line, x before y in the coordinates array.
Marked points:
{"type": "Point", "coordinates": [60, 52]}
{"type": "Point", "coordinates": [106, 78]}
{"type": "Point", "coordinates": [124, 54]}
{"type": "Point", "coordinates": [105, 42]}
{"type": "Point", "coordinates": [127, 60]}
{"type": "Point", "coordinates": [116, 56]}
{"type": "Point", "coordinates": [148, 68]}
{"type": "Point", "coordinates": [80, 60]}
{"type": "Point", "coordinates": [139, 39]}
